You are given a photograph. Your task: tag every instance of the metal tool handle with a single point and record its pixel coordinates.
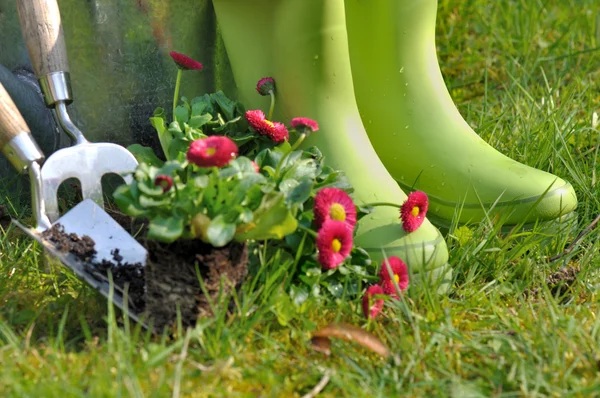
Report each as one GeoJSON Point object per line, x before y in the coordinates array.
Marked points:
{"type": "Point", "coordinates": [20, 148]}
{"type": "Point", "coordinates": [42, 30]}
{"type": "Point", "coordinates": [16, 141]}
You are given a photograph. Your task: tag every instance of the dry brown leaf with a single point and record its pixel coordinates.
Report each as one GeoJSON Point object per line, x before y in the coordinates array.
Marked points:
{"type": "Point", "coordinates": [320, 340]}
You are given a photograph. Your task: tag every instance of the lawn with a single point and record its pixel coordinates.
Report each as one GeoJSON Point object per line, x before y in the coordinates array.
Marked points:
{"type": "Point", "coordinates": [519, 320]}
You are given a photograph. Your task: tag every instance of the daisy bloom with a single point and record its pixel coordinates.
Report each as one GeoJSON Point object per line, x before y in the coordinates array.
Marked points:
{"type": "Point", "coordinates": [184, 62]}
{"type": "Point", "coordinates": [265, 86]}
{"type": "Point", "coordinates": [372, 306]}
{"type": "Point", "coordinates": [334, 242]}
{"type": "Point", "coordinates": [334, 204]}
{"type": "Point", "coordinates": [274, 130]}
{"type": "Point", "coordinates": [304, 124]}
{"type": "Point", "coordinates": [212, 151]}
{"type": "Point", "coordinates": [413, 211]}
{"type": "Point", "coordinates": [399, 275]}
{"type": "Point", "coordinates": [163, 181]}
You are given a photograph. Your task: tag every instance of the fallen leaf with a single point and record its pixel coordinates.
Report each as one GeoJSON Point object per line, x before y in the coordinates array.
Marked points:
{"type": "Point", "coordinates": [320, 340]}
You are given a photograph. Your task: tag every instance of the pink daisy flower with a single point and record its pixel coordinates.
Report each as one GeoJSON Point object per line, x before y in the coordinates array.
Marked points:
{"type": "Point", "coordinates": [274, 130]}
{"type": "Point", "coordinates": [334, 242]}
{"type": "Point", "coordinates": [265, 86]}
{"type": "Point", "coordinates": [334, 204]}
{"type": "Point", "coordinates": [304, 123]}
{"type": "Point", "coordinates": [256, 168]}
{"type": "Point", "coordinates": [372, 306]}
{"type": "Point", "coordinates": [414, 210]}
{"type": "Point", "coordinates": [212, 151]}
{"type": "Point", "coordinates": [399, 276]}
{"type": "Point", "coordinates": [184, 62]}
{"type": "Point", "coordinates": [163, 181]}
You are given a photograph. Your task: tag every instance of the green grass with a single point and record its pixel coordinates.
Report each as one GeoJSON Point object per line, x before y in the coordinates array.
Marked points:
{"type": "Point", "coordinates": [526, 75]}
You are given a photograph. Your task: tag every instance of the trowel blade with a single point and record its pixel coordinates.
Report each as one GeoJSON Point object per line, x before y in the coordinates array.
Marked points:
{"type": "Point", "coordinates": [87, 218]}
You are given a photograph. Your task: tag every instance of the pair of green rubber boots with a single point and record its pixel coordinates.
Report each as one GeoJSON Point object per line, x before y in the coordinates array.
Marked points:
{"type": "Point", "coordinates": [367, 71]}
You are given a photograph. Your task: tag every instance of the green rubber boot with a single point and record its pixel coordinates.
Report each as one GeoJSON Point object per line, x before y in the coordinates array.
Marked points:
{"type": "Point", "coordinates": [419, 134]}
{"type": "Point", "coordinates": [303, 46]}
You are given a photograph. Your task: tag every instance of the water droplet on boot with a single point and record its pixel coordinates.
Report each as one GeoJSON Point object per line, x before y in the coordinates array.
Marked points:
{"type": "Point", "coordinates": [316, 56]}
{"type": "Point", "coordinates": [406, 84]}
{"type": "Point", "coordinates": [443, 183]}
{"type": "Point", "coordinates": [406, 127]}
{"type": "Point", "coordinates": [370, 121]}
{"type": "Point", "coordinates": [432, 166]}
{"type": "Point", "coordinates": [401, 70]}
{"type": "Point", "coordinates": [395, 158]}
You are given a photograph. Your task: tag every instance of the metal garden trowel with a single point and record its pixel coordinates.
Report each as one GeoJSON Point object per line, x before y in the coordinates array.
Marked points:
{"type": "Point", "coordinates": [87, 218]}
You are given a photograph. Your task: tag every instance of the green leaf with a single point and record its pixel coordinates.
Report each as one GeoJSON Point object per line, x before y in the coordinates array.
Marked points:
{"type": "Point", "coordinates": [226, 105]}
{"type": "Point", "coordinates": [298, 193]}
{"type": "Point", "coordinates": [123, 199]}
{"type": "Point", "coordinates": [220, 232]}
{"type": "Point", "coordinates": [144, 154]}
{"type": "Point", "coordinates": [201, 105]}
{"type": "Point", "coordinates": [272, 220]}
{"type": "Point", "coordinates": [182, 114]}
{"type": "Point", "coordinates": [199, 121]}
{"type": "Point", "coordinates": [178, 146]}
{"type": "Point", "coordinates": [165, 229]}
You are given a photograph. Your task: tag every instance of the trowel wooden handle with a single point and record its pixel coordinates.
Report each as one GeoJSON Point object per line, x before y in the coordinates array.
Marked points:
{"type": "Point", "coordinates": [11, 121]}
{"type": "Point", "coordinates": [42, 30]}
{"type": "Point", "coordinates": [16, 142]}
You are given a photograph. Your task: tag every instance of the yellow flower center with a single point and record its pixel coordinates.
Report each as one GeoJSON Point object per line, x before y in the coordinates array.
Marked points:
{"type": "Point", "coordinates": [337, 212]}
{"type": "Point", "coordinates": [396, 278]}
{"type": "Point", "coordinates": [415, 211]}
{"type": "Point", "coordinates": [210, 151]}
{"type": "Point", "coordinates": [336, 245]}
{"type": "Point", "coordinates": [269, 123]}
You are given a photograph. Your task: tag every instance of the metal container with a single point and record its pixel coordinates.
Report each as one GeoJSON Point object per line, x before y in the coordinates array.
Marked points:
{"type": "Point", "coordinates": [120, 65]}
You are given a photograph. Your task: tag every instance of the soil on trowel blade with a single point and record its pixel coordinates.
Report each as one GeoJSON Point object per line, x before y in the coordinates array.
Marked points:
{"type": "Point", "coordinates": [125, 276]}
{"type": "Point", "coordinates": [172, 283]}
{"type": "Point", "coordinates": [81, 246]}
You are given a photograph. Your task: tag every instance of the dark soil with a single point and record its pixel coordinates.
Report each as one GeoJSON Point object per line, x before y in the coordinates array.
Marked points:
{"type": "Point", "coordinates": [172, 283]}
{"type": "Point", "coordinates": [82, 247]}
{"type": "Point", "coordinates": [126, 276]}
{"type": "Point", "coordinates": [169, 283]}
{"type": "Point", "coordinates": [559, 282]}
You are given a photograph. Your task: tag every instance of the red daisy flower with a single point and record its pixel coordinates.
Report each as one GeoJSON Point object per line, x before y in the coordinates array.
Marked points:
{"type": "Point", "coordinates": [304, 123]}
{"type": "Point", "coordinates": [334, 242]}
{"type": "Point", "coordinates": [372, 306]}
{"type": "Point", "coordinates": [265, 86]}
{"type": "Point", "coordinates": [414, 210]}
{"type": "Point", "coordinates": [274, 130]}
{"type": "Point", "coordinates": [163, 181]}
{"type": "Point", "coordinates": [212, 151]}
{"type": "Point", "coordinates": [399, 275]}
{"type": "Point", "coordinates": [185, 62]}
{"type": "Point", "coordinates": [334, 204]}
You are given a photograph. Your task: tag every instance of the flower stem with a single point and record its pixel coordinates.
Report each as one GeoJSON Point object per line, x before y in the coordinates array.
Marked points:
{"type": "Point", "coordinates": [375, 204]}
{"type": "Point", "coordinates": [272, 107]}
{"type": "Point", "coordinates": [292, 149]}
{"type": "Point", "coordinates": [308, 230]}
{"type": "Point", "coordinates": [176, 96]}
